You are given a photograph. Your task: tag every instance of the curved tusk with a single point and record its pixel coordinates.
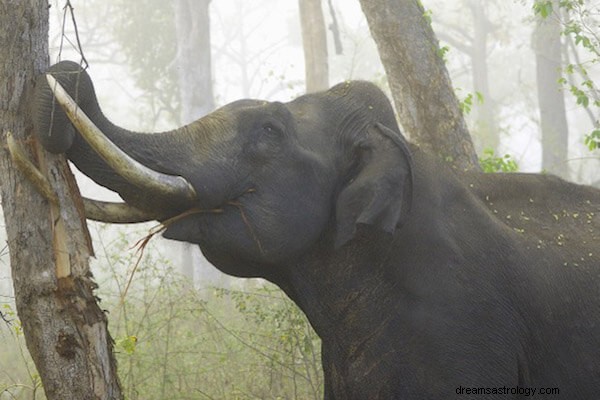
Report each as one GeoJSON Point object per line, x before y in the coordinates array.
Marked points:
{"type": "Point", "coordinates": [115, 213]}
{"type": "Point", "coordinates": [133, 171]}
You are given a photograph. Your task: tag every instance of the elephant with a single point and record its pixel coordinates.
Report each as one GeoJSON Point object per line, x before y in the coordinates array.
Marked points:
{"type": "Point", "coordinates": [423, 281]}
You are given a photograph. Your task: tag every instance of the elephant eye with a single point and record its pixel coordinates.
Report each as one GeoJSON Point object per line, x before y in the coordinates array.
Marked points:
{"type": "Point", "coordinates": [272, 130]}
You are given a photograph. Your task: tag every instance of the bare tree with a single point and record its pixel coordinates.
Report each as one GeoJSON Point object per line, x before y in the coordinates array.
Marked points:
{"type": "Point", "coordinates": [553, 118]}
{"type": "Point", "coordinates": [314, 40]}
{"type": "Point", "coordinates": [49, 246]}
{"type": "Point", "coordinates": [426, 104]}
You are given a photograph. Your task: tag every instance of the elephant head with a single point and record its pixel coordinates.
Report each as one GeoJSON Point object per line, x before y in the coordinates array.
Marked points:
{"type": "Point", "coordinates": [256, 184]}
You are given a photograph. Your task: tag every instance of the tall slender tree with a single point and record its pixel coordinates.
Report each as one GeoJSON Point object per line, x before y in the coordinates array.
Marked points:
{"type": "Point", "coordinates": [193, 60]}
{"type": "Point", "coordinates": [425, 101]}
{"type": "Point", "coordinates": [314, 41]}
{"type": "Point", "coordinates": [65, 330]}
{"type": "Point", "coordinates": [547, 45]}
{"type": "Point", "coordinates": [194, 70]}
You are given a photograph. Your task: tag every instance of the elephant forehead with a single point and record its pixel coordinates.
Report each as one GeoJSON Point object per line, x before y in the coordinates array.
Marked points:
{"type": "Point", "coordinates": [219, 126]}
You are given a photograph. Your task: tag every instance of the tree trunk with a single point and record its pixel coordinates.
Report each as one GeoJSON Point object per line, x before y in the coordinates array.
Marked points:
{"type": "Point", "coordinates": [194, 67]}
{"type": "Point", "coordinates": [49, 246]}
{"type": "Point", "coordinates": [425, 101]}
{"type": "Point", "coordinates": [553, 117]}
{"type": "Point", "coordinates": [314, 41]}
{"type": "Point", "coordinates": [487, 125]}
{"type": "Point", "coordinates": [192, 23]}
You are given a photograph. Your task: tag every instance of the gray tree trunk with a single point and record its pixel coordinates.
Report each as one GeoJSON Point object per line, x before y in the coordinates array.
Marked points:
{"type": "Point", "coordinates": [192, 24]}
{"type": "Point", "coordinates": [314, 41]}
{"type": "Point", "coordinates": [425, 100]}
{"type": "Point", "coordinates": [487, 123]}
{"type": "Point", "coordinates": [194, 67]}
{"type": "Point", "coordinates": [49, 246]}
{"type": "Point", "coordinates": [553, 117]}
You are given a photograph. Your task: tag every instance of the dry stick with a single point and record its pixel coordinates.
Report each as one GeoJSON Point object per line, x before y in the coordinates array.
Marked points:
{"type": "Point", "coordinates": [239, 206]}
{"type": "Point", "coordinates": [143, 242]}
{"type": "Point", "coordinates": [5, 319]}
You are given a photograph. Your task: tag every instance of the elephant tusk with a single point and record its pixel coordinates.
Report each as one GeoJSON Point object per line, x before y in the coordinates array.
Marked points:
{"type": "Point", "coordinates": [115, 213]}
{"type": "Point", "coordinates": [156, 183]}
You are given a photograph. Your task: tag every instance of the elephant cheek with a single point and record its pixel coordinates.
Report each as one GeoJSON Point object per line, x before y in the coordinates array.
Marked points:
{"type": "Point", "coordinates": [223, 236]}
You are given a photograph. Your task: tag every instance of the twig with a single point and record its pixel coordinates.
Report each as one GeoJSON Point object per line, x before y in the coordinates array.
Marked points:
{"type": "Point", "coordinates": [5, 319]}
{"type": "Point", "coordinates": [155, 230]}
{"type": "Point", "coordinates": [239, 206]}
{"type": "Point", "coordinates": [69, 8]}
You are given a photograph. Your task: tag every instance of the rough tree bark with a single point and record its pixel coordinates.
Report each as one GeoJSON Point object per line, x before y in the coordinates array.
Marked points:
{"type": "Point", "coordinates": [553, 116]}
{"type": "Point", "coordinates": [425, 101]}
{"type": "Point", "coordinates": [314, 41]}
{"type": "Point", "coordinates": [49, 246]}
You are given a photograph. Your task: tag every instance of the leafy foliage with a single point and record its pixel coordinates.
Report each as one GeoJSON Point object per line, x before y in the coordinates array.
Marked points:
{"type": "Point", "coordinates": [467, 103]}
{"type": "Point", "coordinates": [490, 162]}
{"type": "Point", "coordinates": [592, 141]}
{"type": "Point", "coordinates": [579, 20]}
{"type": "Point", "coordinates": [173, 341]}
{"type": "Point", "coordinates": [18, 377]}
{"type": "Point", "coordinates": [543, 8]}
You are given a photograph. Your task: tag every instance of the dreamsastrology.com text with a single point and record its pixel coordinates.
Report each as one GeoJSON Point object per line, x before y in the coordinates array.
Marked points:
{"type": "Point", "coordinates": [523, 391]}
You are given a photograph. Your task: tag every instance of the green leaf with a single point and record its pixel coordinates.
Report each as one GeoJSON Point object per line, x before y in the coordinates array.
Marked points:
{"type": "Point", "coordinates": [442, 51]}
{"type": "Point", "coordinates": [466, 104]}
{"type": "Point", "coordinates": [428, 16]}
{"type": "Point", "coordinates": [127, 344]}
{"type": "Point", "coordinates": [480, 97]}
{"type": "Point", "coordinates": [581, 98]}
{"type": "Point", "coordinates": [491, 163]}
{"type": "Point", "coordinates": [569, 69]}
{"type": "Point", "coordinates": [542, 8]}
{"type": "Point", "coordinates": [592, 141]}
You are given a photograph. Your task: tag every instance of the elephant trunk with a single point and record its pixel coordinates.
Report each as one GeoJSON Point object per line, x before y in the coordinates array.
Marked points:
{"type": "Point", "coordinates": [137, 166]}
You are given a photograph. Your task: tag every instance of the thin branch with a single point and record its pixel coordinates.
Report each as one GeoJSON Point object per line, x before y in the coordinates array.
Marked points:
{"type": "Point", "coordinates": [335, 30]}
{"type": "Point", "coordinates": [594, 93]}
{"type": "Point", "coordinates": [70, 9]}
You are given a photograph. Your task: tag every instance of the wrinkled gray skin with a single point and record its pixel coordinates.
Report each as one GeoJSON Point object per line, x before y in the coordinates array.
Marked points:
{"type": "Point", "coordinates": [489, 281]}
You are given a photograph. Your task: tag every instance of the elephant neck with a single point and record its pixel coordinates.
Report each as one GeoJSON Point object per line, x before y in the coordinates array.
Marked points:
{"type": "Point", "coordinates": [345, 293]}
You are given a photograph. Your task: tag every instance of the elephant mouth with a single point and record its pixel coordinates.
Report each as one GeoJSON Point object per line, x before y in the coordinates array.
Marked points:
{"type": "Point", "coordinates": [173, 226]}
{"type": "Point", "coordinates": [234, 201]}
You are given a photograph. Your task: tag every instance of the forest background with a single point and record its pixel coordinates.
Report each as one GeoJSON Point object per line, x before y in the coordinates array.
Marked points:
{"type": "Point", "coordinates": [183, 330]}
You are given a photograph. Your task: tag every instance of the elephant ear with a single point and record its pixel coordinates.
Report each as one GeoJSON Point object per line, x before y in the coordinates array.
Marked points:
{"type": "Point", "coordinates": [380, 192]}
